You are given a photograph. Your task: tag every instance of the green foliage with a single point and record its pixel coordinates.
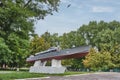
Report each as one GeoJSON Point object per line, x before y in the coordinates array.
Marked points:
{"type": "Point", "coordinates": [98, 60]}
{"type": "Point", "coordinates": [18, 75]}
{"type": "Point", "coordinates": [102, 35]}
{"type": "Point", "coordinates": [116, 60]}
{"type": "Point", "coordinates": [17, 19]}
{"type": "Point", "coordinates": [67, 62]}
{"type": "Point", "coordinates": [52, 39]}
{"type": "Point", "coordinates": [77, 63]}
{"type": "Point", "coordinates": [19, 48]}
{"type": "Point", "coordinates": [38, 44]}
{"type": "Point", "coordinates": [5, 53]}
{"type": "Point", "coordinates": [7, 75]}
{"type": "Point", "coordinates": [72, 39]}
{"type": "Point", "coordinates": [18, 16]}
{"type": "Point", "coordinates": [105, 37]}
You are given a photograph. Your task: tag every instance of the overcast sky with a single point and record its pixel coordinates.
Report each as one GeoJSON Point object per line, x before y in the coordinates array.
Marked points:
{"type": "Point", "coordinates": [80, 12]}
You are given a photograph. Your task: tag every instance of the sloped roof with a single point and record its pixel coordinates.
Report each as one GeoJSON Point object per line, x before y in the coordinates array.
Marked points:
{"type": "Point", "coordinates": [62, 53]}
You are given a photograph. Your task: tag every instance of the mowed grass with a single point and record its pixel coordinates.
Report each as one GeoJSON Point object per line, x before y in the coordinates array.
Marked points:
{"type": "Point", "coordinates": [11, 75]}
{"type": "Point", "coordinates": [18, 75]}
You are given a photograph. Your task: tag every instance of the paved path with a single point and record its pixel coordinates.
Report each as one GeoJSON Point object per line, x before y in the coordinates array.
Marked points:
{"type": "Point", "coordinates": [91, 76]}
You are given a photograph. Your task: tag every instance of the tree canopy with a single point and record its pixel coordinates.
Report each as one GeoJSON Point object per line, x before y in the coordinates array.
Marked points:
{"type": "Point", "coordinates": [17, 19]}
{"type": "Point", "coordinates": [104, 37]}
{"type": "Point", "coordinates": [98, 60]}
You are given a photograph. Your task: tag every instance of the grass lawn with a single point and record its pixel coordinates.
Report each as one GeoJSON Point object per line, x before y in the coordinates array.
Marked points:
{"type": "Point", "coordinates": [11, 75]}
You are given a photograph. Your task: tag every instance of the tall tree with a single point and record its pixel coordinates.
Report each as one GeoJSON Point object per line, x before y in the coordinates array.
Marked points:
{"type": "Point", "coordinates": [18, 15]}
{"type": "Point", "coordinates": [52, 39]}
{"type": "Point", "coordinates": [104, 36]}
{"type": "Point", "coordinates": [72, 39]}
{"type": "Point", "coordinates": [17, 23]}
{"type": "Point", "coordinates": [96, 33]}
{"type": "Point", "coordinates": [5, 53]}
{"type": "Point", "coordinates": [19, 48]}
{"type": "Point", "coordinates": [98, 60]}
{"type": "Point", "coordinates": [38, 44]}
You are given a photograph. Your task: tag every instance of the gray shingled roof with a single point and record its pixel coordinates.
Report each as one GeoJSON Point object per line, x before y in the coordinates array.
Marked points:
{"type": "Point", "coordinates": [64, 52]}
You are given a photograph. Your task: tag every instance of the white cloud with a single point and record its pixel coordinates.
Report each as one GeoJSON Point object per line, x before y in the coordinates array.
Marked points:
{"type": "Point", "coordinates": [100, 9]}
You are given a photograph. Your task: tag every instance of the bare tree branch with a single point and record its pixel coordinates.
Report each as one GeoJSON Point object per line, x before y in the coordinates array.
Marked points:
{"type": "Point", "coordinates": [27, 3]}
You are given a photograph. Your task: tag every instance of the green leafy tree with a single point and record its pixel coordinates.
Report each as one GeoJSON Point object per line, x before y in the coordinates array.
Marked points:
{"type": "Point", "coordinates": [5, 53]}
{"type": "Point", "coordinates": [20, 50]}
{"type": "Point", "coordinates": [98, 60]}
{"type": "Point", "coordinates": [98, 33]}
{"type": "Point", "coordinates": [77, 64]}
{"type": "Point", "coordinates": [38, 44]}
{"type": "Point", "coordinates": [104, 36]}
{"type": "Point", "coordinates": [52, 39]}
{"type": "Point", "coordinates": [105, 40]}
{"type": "Point", "coordinates": [17, 19]}
{"type": "Point", "coordinates": [72, 39]}
{"type": "Point", "coordinates": [18, 16]}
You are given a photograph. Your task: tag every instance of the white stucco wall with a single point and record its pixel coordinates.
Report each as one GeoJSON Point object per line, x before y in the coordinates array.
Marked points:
{"type": "Point", "coordinates": [39, 63]}
{"type": "Point", "coordinates": [56, 63]}
{"type": "Point", "coordinates": [39, 67]}
{"type": "Point", "coordinates": [47, 69]}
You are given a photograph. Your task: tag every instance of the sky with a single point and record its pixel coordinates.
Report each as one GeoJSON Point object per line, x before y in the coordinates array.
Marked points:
{"type": "Point", "coordinates": [80, 12]}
